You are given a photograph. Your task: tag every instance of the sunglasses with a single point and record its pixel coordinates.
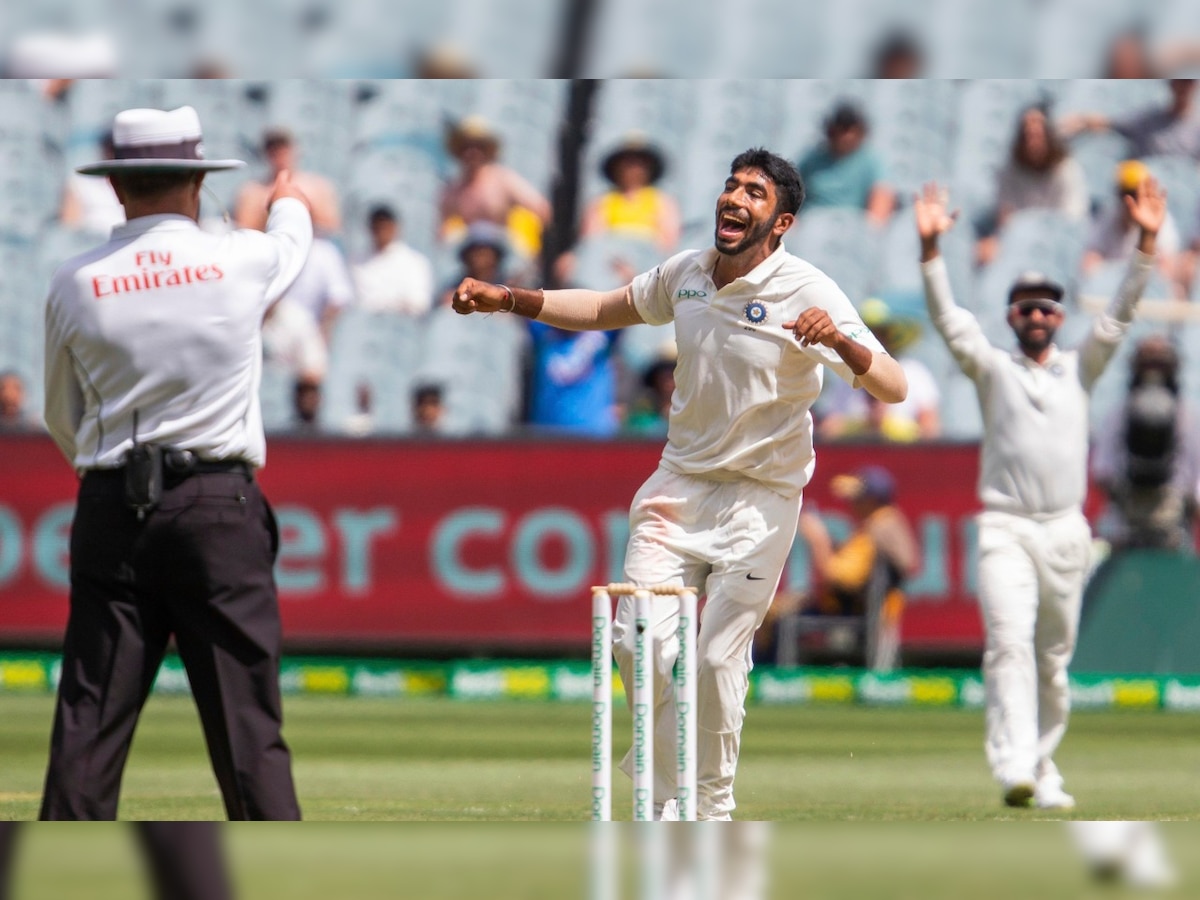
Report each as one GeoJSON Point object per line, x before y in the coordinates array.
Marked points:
{"type": "Point", "coordinates": [1028, 308]}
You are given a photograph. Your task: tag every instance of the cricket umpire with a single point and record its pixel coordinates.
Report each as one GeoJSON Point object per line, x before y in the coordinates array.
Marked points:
{"type": "Point", "coordinates": [1034, 542]}
{"type": "Point", "coordinates": [153, 361]}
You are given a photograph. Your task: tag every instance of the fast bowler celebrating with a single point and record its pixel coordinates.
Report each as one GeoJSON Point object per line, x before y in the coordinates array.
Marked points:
{"type": "Point", "coordinates": [1034, 541]}
{"type": "Point", "coordinates": [754, 326]}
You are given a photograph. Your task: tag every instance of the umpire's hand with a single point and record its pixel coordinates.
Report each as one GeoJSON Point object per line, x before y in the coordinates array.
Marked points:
{"type": "Point", "coordinates": [284, 187]}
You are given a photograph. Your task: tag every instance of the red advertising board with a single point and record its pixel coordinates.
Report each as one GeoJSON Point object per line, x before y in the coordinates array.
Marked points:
{"type": "Point", "coordinates": [471, 545]}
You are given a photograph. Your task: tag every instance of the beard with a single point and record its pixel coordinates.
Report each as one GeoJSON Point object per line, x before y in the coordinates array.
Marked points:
{"type": "Point", "coordinates": [755, 234]}
{"type": "Point", "coordinates": [1037, 341]}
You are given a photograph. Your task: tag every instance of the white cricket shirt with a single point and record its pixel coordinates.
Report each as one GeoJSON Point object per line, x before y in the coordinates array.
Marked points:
{"type": "Point", "coordinates": [166, 319]}
{"type": "Point", "coordinates": [1033, 459]}
{"type": "Point", "coordinates": [743, 383]}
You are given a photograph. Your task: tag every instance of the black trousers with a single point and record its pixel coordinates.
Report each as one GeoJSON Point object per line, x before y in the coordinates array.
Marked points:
{"type": "Point", "coordinates": [185, 859]}
{"type": "Point", "coordinates": [199, 567]}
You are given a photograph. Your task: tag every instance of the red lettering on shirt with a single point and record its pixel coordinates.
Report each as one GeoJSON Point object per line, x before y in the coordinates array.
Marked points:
{"type": "Point", "coordinates": [151, 279]}
{"type": "Point", "coordinates": [152, 258]}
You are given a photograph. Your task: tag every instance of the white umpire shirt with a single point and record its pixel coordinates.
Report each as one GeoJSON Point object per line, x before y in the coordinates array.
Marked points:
{"type": "Point", "coordinates": [1033, 460]}
{"type": "Point", "coordinates": [166, 320]}
{"type": "Point", "coordinates": [743, 383]}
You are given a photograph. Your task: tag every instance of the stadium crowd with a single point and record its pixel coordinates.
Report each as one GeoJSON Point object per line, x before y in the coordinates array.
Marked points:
{"type": "Point", "coordinates": [415, 186]}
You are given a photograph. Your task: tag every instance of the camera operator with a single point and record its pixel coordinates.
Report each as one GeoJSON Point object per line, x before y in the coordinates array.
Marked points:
{"type": "Point", "coordinates": [1147, 458]}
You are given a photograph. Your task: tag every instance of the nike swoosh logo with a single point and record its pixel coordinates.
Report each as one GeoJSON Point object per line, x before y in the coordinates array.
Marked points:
{"type": "Point", "coordinates": [750, 577]}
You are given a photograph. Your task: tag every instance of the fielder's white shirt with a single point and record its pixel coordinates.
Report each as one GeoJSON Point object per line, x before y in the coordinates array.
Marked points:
{"type": "Point", "coordinates": [743, 383]}
{"type": "Point", "coordinates": [396, 279]}
{"type": "Point", "coordinates": [1033, 459]}
{"type": "Point", "coordinates": [166, 319]}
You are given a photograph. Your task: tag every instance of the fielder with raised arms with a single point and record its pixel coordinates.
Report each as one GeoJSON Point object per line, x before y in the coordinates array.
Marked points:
{"type": "Point", "coordinates": [754, 326]}
{"type": "Point", "coordinates": [1034, 541]}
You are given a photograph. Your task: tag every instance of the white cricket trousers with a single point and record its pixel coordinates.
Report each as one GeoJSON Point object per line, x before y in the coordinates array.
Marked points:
{"type": "Point", "coordinates": [1030, 587]}
{"type": "Point", "coordinates": [729, 540]}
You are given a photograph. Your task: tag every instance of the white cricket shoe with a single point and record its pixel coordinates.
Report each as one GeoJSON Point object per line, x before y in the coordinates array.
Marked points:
{"type": "Point", "coordinates": [667, 811]}
{"type": "Point", "coordinates": [1019, 793]}
{"type": "Point", "coordinates": [1050, 794]}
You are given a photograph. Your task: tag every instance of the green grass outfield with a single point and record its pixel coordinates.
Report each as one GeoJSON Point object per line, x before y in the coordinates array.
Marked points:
{"type": "Point", "coordinates": [364, 759]}
{"type": "Point", "coordinates": [317, 861]}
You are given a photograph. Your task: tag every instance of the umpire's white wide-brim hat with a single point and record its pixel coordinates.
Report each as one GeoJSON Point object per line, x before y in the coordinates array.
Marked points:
{"type": "Point", "coordinates": [158, 139]}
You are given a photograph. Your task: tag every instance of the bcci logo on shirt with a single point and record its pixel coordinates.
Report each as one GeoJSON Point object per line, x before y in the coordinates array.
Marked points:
{"type": "Point", "coordinates": [756, 312]}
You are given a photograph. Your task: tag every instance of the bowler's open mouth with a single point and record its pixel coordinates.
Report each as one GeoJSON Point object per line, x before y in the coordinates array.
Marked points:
{"type": "Point", "coordinates": [731, 226]}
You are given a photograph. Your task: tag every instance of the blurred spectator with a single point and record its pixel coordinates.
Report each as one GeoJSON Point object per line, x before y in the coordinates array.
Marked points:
{"type": "Point", "coordinates": [486, 191]}
{"type": "Point", "coordinates": [882, 534]}
{"type": "Point", "coordinates": [1130, 56]}
{"type": "Point", "coordinates": [1114, 235]}
{"type": "Point", "coordinates": [1147, 456]}
{"type": "Point", "coordinates": [362, 420]}
{"type": "Point", "coordinates": [306, 405]}
{"type": "Point", "coordinates": [89, 203]}
{"type": "Point", "coordinates": [292, 340]}
{"type": "Point", "coordinates": [279, 150]}
{"type": "Point", "coordinates": [898, 55]}
{"type": "Point", "coordinates": [428, 412]}
{"type": "Point", "coordinates": [843, 171]}
{"type": "Point", "coordinates": [482, 254]}
{"type": "Point", "coordinates": [1040, 174]}
{"type": "Point", "coordinates": [847, 414]}
{"type": "Point", "coordinates": [1173, 130]}
{"type": "Point", "coordinates": [574, 381]}
{"type": "Point", "coordinates": [324, 287]}
{"type": "Point", "coordinates": [13, 415]}
{"type": "Point", "coordinates": [444, 61]}
{"type": "Point", "coordinates": [395, 277]}
{"type": "Point", "coordinates": [652, 412]}
{"type": "Point", "coordinates": [634, 207]}
{"type": "Point", "coordinates": [862, 577]}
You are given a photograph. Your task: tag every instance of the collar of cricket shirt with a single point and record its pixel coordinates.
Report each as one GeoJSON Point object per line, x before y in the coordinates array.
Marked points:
{"type": "Point", "coordinates": [756, 276]}
{"type": "Point", "coordinates": [158, 222]}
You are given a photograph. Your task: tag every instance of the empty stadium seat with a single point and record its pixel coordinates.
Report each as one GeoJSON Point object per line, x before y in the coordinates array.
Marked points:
{"type": "Point", "coordinates": [1180, 177]}
{"type": "Point", "coordinates": [478, 361]}
{"type": "Point", "coordinates": [841, 243]}
{"type": "Point", "coordinates": [380, 350]}
{"type": "Point", "coordinates": [1040, 240]}
{"type": "Point", "coordinates": [594, 261]}
{"type": "Point", "coordinates": [961, 419]}
{"type": "Point", "coordinates": [913, 128]}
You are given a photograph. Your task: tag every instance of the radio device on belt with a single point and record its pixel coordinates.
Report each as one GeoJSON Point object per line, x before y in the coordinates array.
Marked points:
{"type": "Point", "coordinates": [143, 475]}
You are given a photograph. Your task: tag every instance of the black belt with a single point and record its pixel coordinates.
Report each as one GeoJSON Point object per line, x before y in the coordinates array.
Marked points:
{"type": "Point", "coordinates": [182, 463]}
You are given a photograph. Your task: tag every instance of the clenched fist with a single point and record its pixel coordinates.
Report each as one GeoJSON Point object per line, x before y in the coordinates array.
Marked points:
{"type": "Point", "coordinates": [480, 296]}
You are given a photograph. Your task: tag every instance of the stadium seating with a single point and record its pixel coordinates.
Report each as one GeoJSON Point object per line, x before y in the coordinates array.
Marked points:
{"type": "Point", "coordinates": [478, 361]}
{"type": "Point", "coordinates": [381, 350]}
{"type": "Point", "coordinates": [978, 38]}
{"type": "Point", "coordinates": [1038, 240]}
{"type": "Point", "coordinates": [1099, 154]}
{"type": "Point", "coordinates": [987, 115]}
{"type": "Point", "coordinates": [383, 141]}
{"type": "Point", "coordinates": [594, 260]}
{"type": "Point", "coordinates": [1181, 179]}
{"type": "Point", "coordinates": [842, 244]}
{"type": "Point", "coordinates": [961, 419]}
{"type": "Point", "coordinates": [911, 122]}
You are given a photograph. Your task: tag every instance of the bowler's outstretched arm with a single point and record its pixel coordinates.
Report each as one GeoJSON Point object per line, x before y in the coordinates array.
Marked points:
{"type": "Point", "coordinates": [573, 309]}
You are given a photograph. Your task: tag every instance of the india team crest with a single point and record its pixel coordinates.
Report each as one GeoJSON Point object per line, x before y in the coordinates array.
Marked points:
{"type": "Point", "coordinates": [756, 312]}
